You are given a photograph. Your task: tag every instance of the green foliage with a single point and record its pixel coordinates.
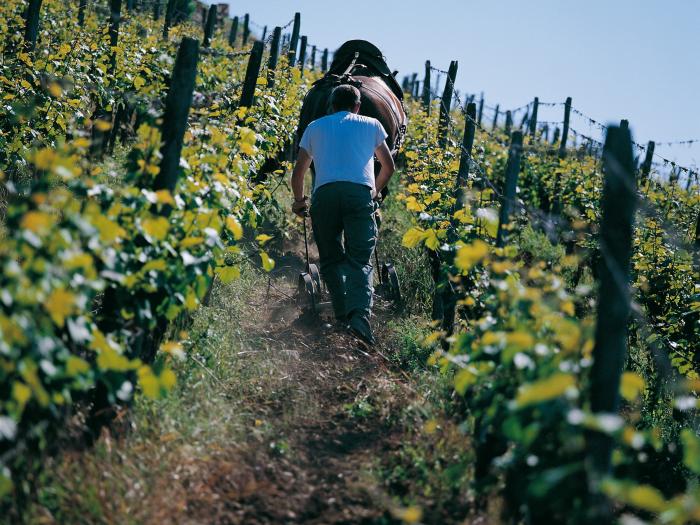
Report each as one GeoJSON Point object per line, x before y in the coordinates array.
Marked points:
{"type": "Point", "coordinates": [521, 354]}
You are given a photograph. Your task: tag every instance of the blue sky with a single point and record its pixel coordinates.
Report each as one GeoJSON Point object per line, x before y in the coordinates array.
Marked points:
{"type": "Point", "coordinates": [616, 58]}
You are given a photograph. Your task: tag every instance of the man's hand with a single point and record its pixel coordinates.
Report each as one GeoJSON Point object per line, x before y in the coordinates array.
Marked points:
{"type": "Point", "coordinates": [301, 207]}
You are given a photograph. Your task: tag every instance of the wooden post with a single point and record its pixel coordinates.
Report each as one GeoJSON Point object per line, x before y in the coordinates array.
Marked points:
{"type": "Point", "coordinates": [246, 28]}
{"type": "Point", "coordinates": [524, 120]}
{"type": "Point", "coordinates": [556, 136]}
{"type": "Point", "coordinates": [294, 42]}
{"type": "Point", "coordinates": [609, 353]}
{"type": "Point", "coordinates": [512, 171]}
{"type": "Point", "coordinates": [210, 26]}
{"type": "Point", "coordinates": [466, 154]}
{"type": "Point", "coordinates": [416, 89]}
{"type": "Point", "coordinates": [446, 104]}
{"type": "Point", "coordinates": [426, 88]}
{"type": "Point", "coordinates": [624, 124]}
{"type": "Point", "coordinates": [169, 13]}
{"type": "Point", "coordinates": [177, 107]}
{"type": "Point", "coordinates": [545, 132]}
{"type": "Point", "coordinates": [509, 122]}
{"type": "Point", "coordinates": [129, 5]}
{"type": "Point", "coordinates": [696, 241]}
{"type": "Point", "coordinates": [114, 20]}
{"type": "Point", "coordinates": [495, 117]}
{"type": "Point", "coordinates": [274, 55]}
{"type": "Point", "coordinates": [324, 60]}
{"type": "Point", "coordinates": [565, 131]}
{"type": "Point", "coordinates": [533, 118]}
{"type": "Point", "coordinates": [81, 12]}
{"type": "Point", "coordinates": [481, 110]}
{"type": "Point", "coordinates": [302, 54]}
{"type": "Point", "coordinates": [31, 24]}
{"type": "Point", "coordinates": [264, 35]}
{"type": "Point", "coordinates": [157, 5]}
{"type": "Point", "coordinates": [313, 58]}
{"type": "Point", "coordinates": [233, 33]}
{"type": "Point", "coordinates": [251, 75]}
{"type": "Point", "coordinates": [648, 158]}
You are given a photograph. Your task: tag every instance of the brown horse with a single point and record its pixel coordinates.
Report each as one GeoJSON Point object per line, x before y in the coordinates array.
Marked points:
{"type": "Point", "coordinates": [361, 64]}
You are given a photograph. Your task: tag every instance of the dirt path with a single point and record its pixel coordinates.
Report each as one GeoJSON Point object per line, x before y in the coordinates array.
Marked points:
{"type": "Point", "coordinates": [329, 412]}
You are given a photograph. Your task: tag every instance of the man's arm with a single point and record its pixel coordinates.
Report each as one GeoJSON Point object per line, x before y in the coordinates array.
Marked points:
{"type": "Point", "coordinates": [387, 161]}
{"type": "Point", "coordinates": [300, 169]}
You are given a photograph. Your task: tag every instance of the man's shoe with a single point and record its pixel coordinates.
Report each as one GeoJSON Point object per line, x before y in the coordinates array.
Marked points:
{"type": "Point", "coordinates": [360, 328]}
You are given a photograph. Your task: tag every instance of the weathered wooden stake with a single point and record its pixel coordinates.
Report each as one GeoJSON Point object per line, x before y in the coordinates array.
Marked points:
{"type": "Point", "coordinates": [481, 110]}
{"type": "Point", "coordinates": [233, 33]}
{"type": "Point", "coordinates": [274, 55]}
{"type": "Point", "coordinates": [114, 20]}
{"type": "Point", "coordinates": [509, 122]}
{"type": "Point", "coordinates": [31, 24]}
{"type": "Point", "coordinates": [512, 171]}
{"type": "Point", "coordinates": [251, 75]}
{"type": "Point", "coordinates": [556, 136]}
{"type": "Point", "coordinates": [466, 154]}
{"type": "Point", "coordinates": [615, 245]}
{"type": "Point", "coordinates": [648, 158]}
{"type": "Point", "coordinates": [324, 60]}
{"type": "Point", "coordinates": [426, 88]}
{"type": "Point", "coordinates": [177, 107]}
{"type": "Point", "coordinates": [313, 58]}
{"type": "Point", "coordinates": [246, 28]}
{"type": "Point", "coordinates": [495, 116]}
{"type": "Point", "coordinates": [294, 42]}
{"type": "Point", "coordinates": [264, 35]}
{"type": "Point", "coordinates": [533, 118]}
{"type": "Point", "coordinates": [81, 12]}
{"type": "Point", "coordinates": [302, 54]}
{"type": "Point", "coordinates": [210, 26]}
{"type": "Point", "coordinates": [157, 6]}
{"type": "Point", "coordinates": [624, 124]}
{"type": "Point", "coordinates": [565, 131]}
{"type": "Point", "coordinates": [169, 13]}
{"type": "Point", "coordinates": [446, 104]}
{"type": "Point", "coordinates": [524, 120]}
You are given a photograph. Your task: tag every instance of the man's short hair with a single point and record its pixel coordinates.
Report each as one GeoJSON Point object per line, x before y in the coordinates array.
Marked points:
{"type": "Point", "coordinates": [345, 97]}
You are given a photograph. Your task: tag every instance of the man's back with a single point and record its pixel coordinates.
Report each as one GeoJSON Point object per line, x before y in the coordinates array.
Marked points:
{"type": "Point", "coordinates": [342, 146]}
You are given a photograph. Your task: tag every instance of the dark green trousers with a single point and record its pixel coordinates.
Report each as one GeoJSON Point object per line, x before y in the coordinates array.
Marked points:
{"type": "Point", "coordinates": [342, 214]}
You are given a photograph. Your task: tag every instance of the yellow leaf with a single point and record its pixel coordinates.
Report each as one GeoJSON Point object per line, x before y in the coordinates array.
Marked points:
{"type": "Point", "coordinates": [263, 238]}
{"type": "Point", "coordinates": [544, 390]}
{"type": "Point", "coordinates": [521, 340]}
{"type": "Point", "coordinates": [139, 82]}
{"type": "Point", "coordinates": [55, 90]}
{"type": "Point", "coordinates": [149, 382]}
{"type": "Point", "coordinates": [168, 379]}
{"type": "Point", "coordinates": [411, 514]}
{"type": "Point", "coordinates": [191, 301]}
{"type": "Point", "coordinates": [21, 393]}
{"type": "Point", "coordinates": [267, 263]}
{"type": "Point", "coordinates": [60, 304]}
{"type": "Point", "coordinates": [173, 348]}
{"type": "Point", "coordinates": [109, 230]}
{"type": "Point", "coordinates": [110, 359]}
{"type": "Point", "coordinates": [103, 125]}
{"type": "Point", "coordinates": [64, 49]}
{"type": "Point", "coordinates": [191, 241]}
{"type": "Point", "coordinates": [164, 196]}
{"type": "Point", "coordinates": [157, 264]}
{"type": "Point", "coordinates": [631, 386]}
{"type": "Point", "coordinates": [234, 227]}
{"type": "Point", "coordinates": [471, 254]}
{"type": "Point", "coordinates": [228, 273]}
{"type": "Point", "coordinates": [431, 239]}
{"type": "Point", "coordinates": [75, 365]}
{"type": "Point", "coordinates": [156, 228]}
{"type": "Point", "coordinates": [412, 237]}
{"type": "Point", "coordinates": [36, 221]}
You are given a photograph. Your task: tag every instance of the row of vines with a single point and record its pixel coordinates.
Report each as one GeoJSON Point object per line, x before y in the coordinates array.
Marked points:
{"type": "Point", "coordinates": [101, 268]}
{"type": "Point", "coordinates": [520, 347]}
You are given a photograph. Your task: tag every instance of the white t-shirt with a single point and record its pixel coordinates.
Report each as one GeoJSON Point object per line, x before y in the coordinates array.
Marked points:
{"type": "Point", "coordinates": [342, 147]}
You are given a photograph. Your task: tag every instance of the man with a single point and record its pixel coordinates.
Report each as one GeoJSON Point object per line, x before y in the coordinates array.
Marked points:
{"type": "Point", "coordinates": [342, 146]}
